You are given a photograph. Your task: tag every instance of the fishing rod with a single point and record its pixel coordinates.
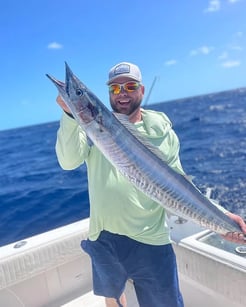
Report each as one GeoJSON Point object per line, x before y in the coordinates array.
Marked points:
{"type": "Point", "coordinates": [150, 91]}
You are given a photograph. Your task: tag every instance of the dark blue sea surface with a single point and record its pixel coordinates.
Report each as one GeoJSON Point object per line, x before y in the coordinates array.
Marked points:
{"type": "Point", "coordinates": [36, 195]}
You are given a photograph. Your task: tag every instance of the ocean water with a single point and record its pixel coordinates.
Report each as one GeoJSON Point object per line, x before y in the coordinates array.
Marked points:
{"type": "Point", "coordinates": [36, 195]}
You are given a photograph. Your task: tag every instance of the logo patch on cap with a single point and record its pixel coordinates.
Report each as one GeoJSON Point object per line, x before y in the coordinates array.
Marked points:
{"type": "Point", "coordinates": [122, 69]}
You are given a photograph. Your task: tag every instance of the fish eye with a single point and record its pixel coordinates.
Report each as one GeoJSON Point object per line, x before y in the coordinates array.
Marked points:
{"type": "Point", "coordinates": [79, 92]}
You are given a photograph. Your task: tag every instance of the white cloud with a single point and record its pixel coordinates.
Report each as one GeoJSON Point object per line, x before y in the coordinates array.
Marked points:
{"type": "Point", "coordinates": [223, 56]}
{"type": "Point", "coordinates": [55, 45]}
{"type": "Point", "coordinates": [233, 1]}
{"type": "Point", "coordinates": [170, 62]}
{"type": "Point", "coordinates": [230, 64]}
{"type": "Point", "coordinates": [213, 6]}
{"type": "Point", "coordinates": [236, 47]}
{"type": "Point", "coordinates": [201, 50]}
{"type": "Point", "coordinates": [239, 34]}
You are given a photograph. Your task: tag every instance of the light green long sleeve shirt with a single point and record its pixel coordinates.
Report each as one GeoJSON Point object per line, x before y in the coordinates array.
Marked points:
{"type": "Point", "coordinates": [115, 204]}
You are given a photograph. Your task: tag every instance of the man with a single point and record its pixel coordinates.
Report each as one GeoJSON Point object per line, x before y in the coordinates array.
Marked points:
{"type": "Point", "coordinates": [128, 235]}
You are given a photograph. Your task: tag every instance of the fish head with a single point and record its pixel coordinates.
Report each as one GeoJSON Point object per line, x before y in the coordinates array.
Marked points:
{"type": "Point", "coordinates": [75, 90]}
{"type": "Point", "coordinates": [79, 99]}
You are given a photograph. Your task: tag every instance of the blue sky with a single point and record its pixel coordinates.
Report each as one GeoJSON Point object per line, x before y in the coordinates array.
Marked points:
{"type": "Point", "coordinates": [192, 47]}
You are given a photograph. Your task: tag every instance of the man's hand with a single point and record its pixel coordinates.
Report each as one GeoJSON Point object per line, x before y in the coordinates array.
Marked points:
{"type": "Point", "coordinates": [235, 236]}
{"type": "Point", "coordinates": [62, 104]}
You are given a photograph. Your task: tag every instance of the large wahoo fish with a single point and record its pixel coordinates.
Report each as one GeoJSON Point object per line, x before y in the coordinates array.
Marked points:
{"type": "Point", "coordinates": [138, 160]}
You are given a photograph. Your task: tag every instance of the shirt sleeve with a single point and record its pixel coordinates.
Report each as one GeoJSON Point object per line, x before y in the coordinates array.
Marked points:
{"type": "Point", "coordinates": [71, 145]}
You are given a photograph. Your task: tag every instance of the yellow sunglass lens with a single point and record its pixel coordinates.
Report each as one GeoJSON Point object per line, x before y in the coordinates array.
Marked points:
{"type": "Point", "coordinates": [115, 88]}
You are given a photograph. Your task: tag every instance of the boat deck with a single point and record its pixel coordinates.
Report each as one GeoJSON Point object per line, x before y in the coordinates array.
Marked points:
{"type": "Point", "coordinates": [91, 300]}
{"type": "Point", "coordinates": [88, 299]}
{"type": "Point", "coordinates": [194, 296]}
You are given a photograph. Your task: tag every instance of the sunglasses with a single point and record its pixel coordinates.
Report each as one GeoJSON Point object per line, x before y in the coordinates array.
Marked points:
{"type": "Point", "coordinates": [130, 86]}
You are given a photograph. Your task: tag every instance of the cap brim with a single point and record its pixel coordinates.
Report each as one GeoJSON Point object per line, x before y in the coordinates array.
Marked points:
{"type": "Point", "coordinates": [123, 75]}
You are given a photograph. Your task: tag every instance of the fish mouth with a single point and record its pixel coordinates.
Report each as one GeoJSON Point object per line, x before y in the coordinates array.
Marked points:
{"type": "Point", "coordinates": [68, 77]}
{"type": "Point", "coordinates": [64, 88]}
{"type": "Point", "coordinates": [72, 91]}
{"type": "Point", "coordinates": [61, 86]}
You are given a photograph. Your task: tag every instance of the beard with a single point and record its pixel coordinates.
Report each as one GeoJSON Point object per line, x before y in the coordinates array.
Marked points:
{"type": "Point", "coordinates": [126, 108]}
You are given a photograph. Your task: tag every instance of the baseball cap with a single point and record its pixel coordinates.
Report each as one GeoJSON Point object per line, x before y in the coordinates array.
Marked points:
{"type": "Point", "coordinates": [124, 69]}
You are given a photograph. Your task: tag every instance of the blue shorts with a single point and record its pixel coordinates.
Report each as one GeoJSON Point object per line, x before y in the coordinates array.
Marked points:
{"type": "Point", "coordinates": [117, 258]}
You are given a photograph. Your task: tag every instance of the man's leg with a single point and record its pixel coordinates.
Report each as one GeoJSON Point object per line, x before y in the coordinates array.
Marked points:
{"type": "Point", "coordinates": [109, 276]}
{"type": "Point", "coordinates": [112, 302]}
{"type": "Point", "coordinates": [155, 276]}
